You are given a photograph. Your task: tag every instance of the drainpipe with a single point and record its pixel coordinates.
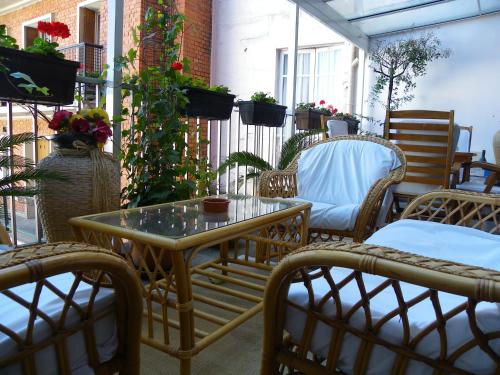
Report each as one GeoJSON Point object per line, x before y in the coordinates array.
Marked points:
{"type": "Point", "coordinates": [114, 78]}
{"type": "Point", "coordinates": [292, 68]}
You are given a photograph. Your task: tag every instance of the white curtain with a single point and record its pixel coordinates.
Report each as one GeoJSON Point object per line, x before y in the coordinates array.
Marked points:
{"type": "Point", "coordinates": [303, 77]}
{"type": "Point", "coordinates": [327, 85]}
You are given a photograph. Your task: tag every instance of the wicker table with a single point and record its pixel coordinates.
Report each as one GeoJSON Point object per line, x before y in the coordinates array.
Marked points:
{"type": "Point", "coordinates": [189, 304]}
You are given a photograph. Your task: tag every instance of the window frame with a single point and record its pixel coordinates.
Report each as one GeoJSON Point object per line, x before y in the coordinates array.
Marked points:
{"type": "Point", "coordinates": [34, 21]}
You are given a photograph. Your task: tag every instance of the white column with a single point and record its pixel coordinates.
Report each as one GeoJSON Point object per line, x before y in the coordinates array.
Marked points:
{"type": "Point", "coordinates": [292, 66]}
{"type": "Point", "coordinates": [114, 78]}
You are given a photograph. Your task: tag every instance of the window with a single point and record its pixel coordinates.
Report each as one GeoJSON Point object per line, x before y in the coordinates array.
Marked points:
{"type": "Point", "coordinates": [318, 75]}
{"type": "Point", "coordinates": [29, 29]}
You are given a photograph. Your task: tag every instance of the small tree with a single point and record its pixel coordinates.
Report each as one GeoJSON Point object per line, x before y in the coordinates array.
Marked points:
{"type": "Point", "coordinates": [397, 63]}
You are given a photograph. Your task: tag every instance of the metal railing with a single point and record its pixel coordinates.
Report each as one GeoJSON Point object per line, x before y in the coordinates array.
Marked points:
{"type": "Point", "coordinates": [90, 56]}
{"type": "Point", "coordinates": [20, 214]}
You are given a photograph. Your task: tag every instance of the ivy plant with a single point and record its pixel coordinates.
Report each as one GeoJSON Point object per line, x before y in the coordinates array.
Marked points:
{"type": "Point", "coordinates": [160, 165]}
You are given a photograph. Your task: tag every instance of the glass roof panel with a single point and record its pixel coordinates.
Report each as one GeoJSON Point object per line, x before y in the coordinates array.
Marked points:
{"type": "Point", "coordinates": [350, 9]}
{"type": "Point", "coordinates": [417, 17]}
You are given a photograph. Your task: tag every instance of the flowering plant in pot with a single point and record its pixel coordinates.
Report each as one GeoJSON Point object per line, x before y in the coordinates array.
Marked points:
{"type": "Point", "coordinates": [263, 110]}
{"type": "Point", "coordinates": [93, 175]}
{"type": "Point", "coordinates": [90, 126]}
{"type": "Point", "coordinates": [39, 74]}
{"type": "Point", "coordinates": [308, 115]}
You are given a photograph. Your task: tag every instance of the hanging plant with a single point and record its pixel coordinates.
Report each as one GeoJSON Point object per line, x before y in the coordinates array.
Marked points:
{"type": "Point", "coordinates": [160, 166]}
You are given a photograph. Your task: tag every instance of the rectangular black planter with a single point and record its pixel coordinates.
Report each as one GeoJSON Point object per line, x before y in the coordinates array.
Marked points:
{"type": "Point", "coordinates": [56, 74]}
{"type": "Point", "coordinates": [208, 104]}
{"type": "Point", "coordinates": [255, 113]}
{"type": "Point", "coordinates": [307, 119]}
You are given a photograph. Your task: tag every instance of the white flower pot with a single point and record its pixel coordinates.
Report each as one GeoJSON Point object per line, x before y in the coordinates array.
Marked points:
{"type": "Point", "coordinates": [337, 127]}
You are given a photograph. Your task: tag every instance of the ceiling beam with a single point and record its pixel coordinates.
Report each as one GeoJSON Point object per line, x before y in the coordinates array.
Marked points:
{"type": "Point", "coordinates": [328, 16]}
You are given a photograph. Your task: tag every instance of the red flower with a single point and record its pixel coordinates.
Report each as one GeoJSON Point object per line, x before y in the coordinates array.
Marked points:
{"type": "Point", "coordinates": [176, 65]}
{"type": "Point", "coordinates": [101, 132]}
{"type": "Point", "coordinates": [335, 110]}
{"type": "Point", "coordinates": [60, 119]}
{"type": "Point", "coordinates": [54, 29]}
{"type": "Point", "coordinates": [321, 102]}
{"type": "Point", "coordinates": [80, 125]}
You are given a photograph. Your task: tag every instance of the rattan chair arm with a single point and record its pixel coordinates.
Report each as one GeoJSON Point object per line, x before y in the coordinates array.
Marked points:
{"type": "Point", "coordinates": [449, 197]}
{"type": "Point", "coordinates": [4, 236]}
{"type": "Point", "coordinates": [35, 263]}
{"type": "Point", "coordinates": [274, 184]}
{"type": "Point", "coordinates": [368, 213]}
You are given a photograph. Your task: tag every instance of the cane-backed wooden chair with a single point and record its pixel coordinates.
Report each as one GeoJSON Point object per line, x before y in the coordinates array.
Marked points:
{"type": "Point", "coordinates": [285, 183]}
{"type": "Point", "coordinates": [318, 322]}
{"type": "Point", "coordinates": [427, 140]}
{"type": "Point", "coordinates": [68, 307]}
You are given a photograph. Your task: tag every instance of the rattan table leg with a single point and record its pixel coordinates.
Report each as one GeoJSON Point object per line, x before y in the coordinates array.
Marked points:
{"type": "Point", "coordinates": [185, 309]}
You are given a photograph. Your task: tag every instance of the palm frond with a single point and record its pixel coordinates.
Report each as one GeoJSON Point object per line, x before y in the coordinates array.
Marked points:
{"type": "Point", "coordinates": [294, 145]}
{"type": "Point", "coordinates": [19, 191]}
{"type": "Point", "coordinates": [28, 175]}
{"type": "Point", "coordinates": [14, 140]}
{"type": "Point", "coordinates": [251, 174]}
{"type": "Point", "coordinates": [244, 159]}
{"type": "Point", "coordinates": [15, 161]}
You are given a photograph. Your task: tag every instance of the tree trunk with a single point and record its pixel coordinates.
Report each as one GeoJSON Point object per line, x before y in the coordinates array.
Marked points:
{"type": "Point", "coordinates": [389, 91]}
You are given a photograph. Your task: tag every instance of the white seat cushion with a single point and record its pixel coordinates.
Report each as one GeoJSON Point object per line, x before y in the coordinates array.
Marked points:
{"type": "Point", "coordinates": [412, 188]}
{"type": "Point", "coordinates": [424, 238]}
{"type": "Point", "coordinates": [342, 172]}
{"type": "Point", "coordinates": [15, 317]}
{"type": "Point", "coordinates": [477, 187]}
{"type": "Point", "coordinates": [329, 216]}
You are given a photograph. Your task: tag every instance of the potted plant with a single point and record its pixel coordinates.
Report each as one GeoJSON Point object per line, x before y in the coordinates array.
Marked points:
{"type": "Point", "coordinates": [93, 176]}
{"type": "Point", "coordinates": [39, 74]}
{"type": "Point", "coordinates": [352, 121]}
{"type": "Point", "coordinates": [262, 110]}
{"type": "Point", "coordinates": [308, 115]}
{"type": "Point", "coordinates": [212, 103]}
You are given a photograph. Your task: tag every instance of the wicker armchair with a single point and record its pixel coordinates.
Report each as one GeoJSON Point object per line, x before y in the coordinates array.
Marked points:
{"type": "Point", "coordinates": [283, 354]}
{"type": "Point", "coordinates": [284, 184]}
{"type": "Point", "coordinates": [46, 325]}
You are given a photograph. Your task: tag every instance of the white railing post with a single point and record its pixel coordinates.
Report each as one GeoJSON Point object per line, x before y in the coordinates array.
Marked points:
{"type": "Point", "coordinates": [292, 67]}
{"type": "Point", "coordinates": [114, 77]}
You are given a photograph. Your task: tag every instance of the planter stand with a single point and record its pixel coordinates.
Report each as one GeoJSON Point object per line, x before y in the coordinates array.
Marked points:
{"type": "Point", "coordinates": [263, 114]}
{"type": "Point", "coordinates": [56, 74]}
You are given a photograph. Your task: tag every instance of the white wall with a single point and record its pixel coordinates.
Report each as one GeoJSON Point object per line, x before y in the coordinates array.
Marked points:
{"type": "Point", "coordinates": [467, 82]}
{"type": "Point", "coordinates": [246, 36]}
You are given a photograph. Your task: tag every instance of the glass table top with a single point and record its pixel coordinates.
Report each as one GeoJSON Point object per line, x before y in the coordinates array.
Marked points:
{"type": "Point", "coordinates": [182, 219]}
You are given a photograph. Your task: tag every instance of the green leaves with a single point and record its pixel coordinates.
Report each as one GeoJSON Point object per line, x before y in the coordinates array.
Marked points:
{"type": "Point", "coordinates": [42, 46]}
{"type": "Point", "coordinates": [262, 97]}
{"type": "Point", "coordinates": [6, 40]}
{"type": "Point", "coordinates": [30, 85]}
{"type": "Point", "coordinates": [160, 166]}
{"type": "Point", "coordinates": [398, 62]}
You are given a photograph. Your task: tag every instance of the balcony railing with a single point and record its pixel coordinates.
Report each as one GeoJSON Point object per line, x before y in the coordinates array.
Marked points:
{"type": "Point", "coordinates": [90, 56]}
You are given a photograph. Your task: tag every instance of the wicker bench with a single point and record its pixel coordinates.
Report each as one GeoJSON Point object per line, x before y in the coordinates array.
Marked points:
{"type": "Point", "coordinates": [356, 331]}
{"type": "Point", "coordinates": [68, 307]}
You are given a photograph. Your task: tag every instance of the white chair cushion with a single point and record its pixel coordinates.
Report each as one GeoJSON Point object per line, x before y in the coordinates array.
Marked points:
{"type": "Point", "coordinates": [412, 188]}
{"type": "Point", "coordinates": [329, 216]}
{"type": "Point", "coordinates": [337, 127]}
{"type": "Point", "coordinates": [459, 244]}
{"type": "Point", "coordinates": [342, 172]}
{"type": "Point", "coordinates": [477, 187]}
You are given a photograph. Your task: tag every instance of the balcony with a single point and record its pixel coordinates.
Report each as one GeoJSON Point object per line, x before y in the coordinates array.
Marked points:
{"type": "Point", "coordinates": [90, 56]}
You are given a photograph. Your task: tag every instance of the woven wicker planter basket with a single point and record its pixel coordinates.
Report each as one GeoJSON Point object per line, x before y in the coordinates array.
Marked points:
{"type": "Point", "coordinates": [59, 201]}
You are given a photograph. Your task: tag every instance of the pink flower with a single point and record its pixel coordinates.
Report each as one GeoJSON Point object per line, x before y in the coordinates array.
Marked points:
{"type": "Point", "coordinates": [102, 132]}
{"type": "Point", "coordinates": [321, 102]}
{"type": "Point", "coordinates": [80, 125]}
{"type": "Point", "coordinates": [60, 120]}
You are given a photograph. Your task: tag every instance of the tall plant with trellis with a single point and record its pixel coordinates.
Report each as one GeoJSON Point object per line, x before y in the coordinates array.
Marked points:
{"type": "Point", "coordinates": [160, 165]}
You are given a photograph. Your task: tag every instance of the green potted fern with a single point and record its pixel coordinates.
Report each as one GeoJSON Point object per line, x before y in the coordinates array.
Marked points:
{"type": "Point", "coordinates": [262, 110]}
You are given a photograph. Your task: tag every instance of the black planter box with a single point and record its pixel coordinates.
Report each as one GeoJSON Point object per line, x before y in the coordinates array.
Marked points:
{"type": "Point", "coordinates": [56, 74]}
{"type": "Point", "coordinates": [352, 126]}
{"type": "Point", "coordinates": [307, 119]}
{"type": "Point", "coordinates": [263, 114]}
{"type": "Point", "coordinates": [208, 104]}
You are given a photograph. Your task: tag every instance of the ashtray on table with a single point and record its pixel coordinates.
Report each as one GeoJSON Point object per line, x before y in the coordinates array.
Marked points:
{"type": "Point", "coordinates": [215, 205]}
